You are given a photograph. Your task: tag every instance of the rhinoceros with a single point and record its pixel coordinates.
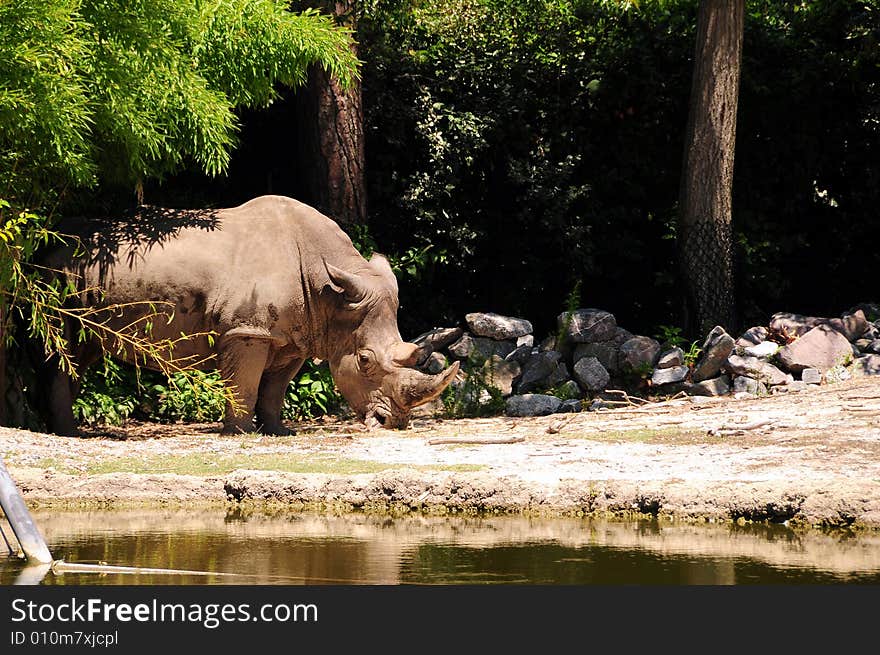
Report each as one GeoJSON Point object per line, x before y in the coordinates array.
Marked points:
{"type": "Point", "coordinates": [263, 286]}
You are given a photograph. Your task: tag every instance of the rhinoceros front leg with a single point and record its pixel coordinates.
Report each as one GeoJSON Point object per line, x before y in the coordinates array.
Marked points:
{"type": "Point", "coordinates": [273, 387]}
{"type": "Point", "coordinates": [242, 361]}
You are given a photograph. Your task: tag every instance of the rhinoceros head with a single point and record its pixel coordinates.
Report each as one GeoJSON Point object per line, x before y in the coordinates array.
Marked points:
{"type": "Point", "coordinates": [371, 365]}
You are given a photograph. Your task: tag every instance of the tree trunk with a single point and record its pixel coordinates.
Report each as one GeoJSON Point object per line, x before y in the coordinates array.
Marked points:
{"type": "Point", "coordinates": [705, 235]}
{"type": "Point", "coordinates": [331, 141]}
{"type": "Point", "coordinates": [3, 413]}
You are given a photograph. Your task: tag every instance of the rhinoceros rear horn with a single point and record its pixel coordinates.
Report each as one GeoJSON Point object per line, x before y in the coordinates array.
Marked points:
{"type": "Point", "coordinates": [420, 388]}
{"type": "Point", "coordinates": [346, 283]}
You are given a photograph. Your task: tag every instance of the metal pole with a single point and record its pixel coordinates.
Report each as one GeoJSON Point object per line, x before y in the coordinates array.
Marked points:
{"type": "Point", "coordinates": [32, 542]}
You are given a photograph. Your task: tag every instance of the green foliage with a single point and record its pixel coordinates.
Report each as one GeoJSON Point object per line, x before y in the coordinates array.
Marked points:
{"type": "Point", "coordinates": [670, 336]}
{"type": "Point", "coordinates": [476, 396]}
{"type": "Point", "coordinates": [572, 303]}
{"type": "Point", "coordinates": [194, 396]}
{"type": "Point", "coordinates": [312, 394]}
{"type": "Point", "coordinates": [115, 392]}
{"type": "Point", "coordinates": [107, 398]}
{"type": "Point", "coordinates": [692, 354]}
{"type": "Point", "coordinates": [93, 90]}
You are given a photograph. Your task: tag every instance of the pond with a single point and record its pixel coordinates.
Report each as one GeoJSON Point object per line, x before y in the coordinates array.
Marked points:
{"type": "Point", "coordinates": [220, 547]}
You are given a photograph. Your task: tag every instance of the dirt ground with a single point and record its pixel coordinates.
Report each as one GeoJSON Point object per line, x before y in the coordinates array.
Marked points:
{"type": "Point", "coordinates": [809, 458]}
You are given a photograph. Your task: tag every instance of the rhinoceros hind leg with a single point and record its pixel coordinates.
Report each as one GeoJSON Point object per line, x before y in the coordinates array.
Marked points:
{"type": "Point", "coordinates": [273, 387]}
{"type": "Point", "coordinates": [242, 360]}
{"type": "Point", "coordinates": [61, 420]}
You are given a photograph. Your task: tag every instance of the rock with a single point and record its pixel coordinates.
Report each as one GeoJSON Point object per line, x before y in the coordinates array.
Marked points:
{"type": "Point", "coordinates": [755, 368]}
{"type": "Point", "coordinates": [521, 354]}
{"type": "Point", "coordinates": [753, 336]}
{"type": "Point", "coordinates": [537, 369]}
{"type": "Point", "coordinates": [670, 358]}
{"type": "Point", "coordinates": [745, 384]}
{"type": "Point", "coordinates": [526, 340]}
{"type": "Point", "coordinates": [496, 326]}
{"type": "Point", "coordinates": [719, 386]}
{"type": "Point", "coordinates": [438, 338]}
{"type": "Point", "coordinates": [822, 347]}
{"type": "Point", "coordinates": [763, 350]}
{"type": "Point", "coordinates": [867, 365]}
{"type": "Point", "coordinates": [481, 348]}
{"type": "Point", "coordinates": [863, 344]}
{"type": "Point", "coordinates": [604, 351]}
{"type": "Point", "coordinates": [558, 376]}
{"type": "Point", "coordinates": [532, 404]}
{"type": "Point", "coordinates": [568, 390]}
{"type": "Point", "coordinates": [587, 325]}
{"type": "Point", "coordinates": [435, 363]}
{"type": "Point", "coordinates": [716, 349]}
{"type": "Point", "coordinates": [621, 336]}
{"type": "Point", "coordinates": [549, 343]}
{"type": "Point", "coordinates": [851, 326]}
{"type": "Point", "coordinates": [501, 374]}
{"type": "Point", "coordinates": [638, 353]}
{"type": "Point", "coordinates": [837, 374]}
{"type": "Point", "coordinates": [873, 347]}
{"type": "Point", "coordinates": [796, 385]}
{"type": "Point", "coordinates": [571, 405]}
{"type": "Point", "coordinates": [811, 376]}
{"type": "Point", "coordinates": [671, 375]}
{"type": "Point", "coordinates": [590, 374]}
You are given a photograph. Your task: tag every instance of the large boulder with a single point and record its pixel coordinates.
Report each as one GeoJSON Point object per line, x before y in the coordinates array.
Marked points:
{"type": "Point", "coordinates": [482, 348]}
{"type": "Point", "coordinates": [822, 347]}
{"type": "Point", "coordinates": [604, 351]}
{"type": "Point", "coordinates": [501, 374]}
{"type": "Point", "coordinates": [496, 326]}
{"type": "Point", "coordinates": [867, 365]}
{"type": "Point", "coordinates": [537, 369]}
{"type": "Point", "coordinates": [532, 404]}
{"type": "Point", "coordinates": [852, 326]}
{"type": "Point", "coordinates": [590, 374]}
{"type": "Point", "coordinates": [638, 353]}
{"type": "Point", "coordinates": [438, 338]}
{"type": "Point", "coordinates": [587, 325]}
{"type": "Point", "coordinates": [669, 375]}
{"type": "Point", "coordinates": [716, 349]}
{"type": "Point", "coordinates": [757, 369]}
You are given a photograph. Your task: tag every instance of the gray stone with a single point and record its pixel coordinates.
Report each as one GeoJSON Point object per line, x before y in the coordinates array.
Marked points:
{"type": "Point", "coordinates": [571, 405]}
{"type": "Point", "coordinates": [670, 358]}
{"type": "Point", "coordinates": [863, 344]}
{"type": "Point", "coordinates": [873, 347]}
{"type": "Point", "coordinates": [481, 348]}
{"type": "Point", "coordinates": [558, 376]}
{"type": "Point", "coordinates": [496, 326]}
{"type": "Point", "coordinates": [796, 385]}
{"type": "Point", "coordinates": [590, 374]}
{"type": "Point", "coordinates": [755, 368]}
{"type": "Point", "coordinates": [521, 354]}
{"type": "Point", "coordinates": [745, 384]}
{"type": "Point", "coordinates": [867, 365]}
{"type": "Point", "coordinates": [716, 349]}
{"type": "Point", "coordinates": [537, 369]}
{"type": "Point", "coordinates": [763, 350]}
{"type": "Point", "coordinates": [532, 404]}
{"type": "Point", "coordinates": [549, 343]}
{"type": "Point", "coordinates": [501, 374]}
{"type": "Point", "coordinates": [438, 338]}
{"type": "Point", "coordinates": [753, 336]}
{"type": "Point", "coordinates": [811, 376]}
{"type": "Point", "coordinates": [587, 325]}
{"type": "Point", "coordinates": [435, 363]}
{"type": "Point", "coordinates": [851, 326]}
{"type": "Point", "coordinates": [822, 347]}
{"type": "Point", "coordinates": [719, 386]}
{"type": "Point", "coordinates": [525, 340]}
{"type": "Point", "coordinates": [621, 336]}
{"type": "Point", "coordinates": [604, 351]}
{"type": "Point", "coordinates": [638, 353]}
{"type": "Point", "coordinates": [671, 375]}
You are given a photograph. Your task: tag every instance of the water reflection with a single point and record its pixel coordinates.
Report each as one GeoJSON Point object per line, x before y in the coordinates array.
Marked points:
{"type": "Point", "coordinates": [302, 548]}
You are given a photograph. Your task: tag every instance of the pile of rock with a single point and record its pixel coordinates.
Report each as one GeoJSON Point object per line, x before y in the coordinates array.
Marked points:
{"type": "Point", "coordinates": [590, 354]}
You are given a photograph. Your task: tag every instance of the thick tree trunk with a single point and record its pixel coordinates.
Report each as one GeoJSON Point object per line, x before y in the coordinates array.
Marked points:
{"type": "Point", "coordinates": [705, 235]}
{"type": "Point", "coordinates": [331, 141]}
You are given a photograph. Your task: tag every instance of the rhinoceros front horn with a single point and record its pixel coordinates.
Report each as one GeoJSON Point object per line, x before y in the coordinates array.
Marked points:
{"type": "Point", "coordinates": [418, 388]}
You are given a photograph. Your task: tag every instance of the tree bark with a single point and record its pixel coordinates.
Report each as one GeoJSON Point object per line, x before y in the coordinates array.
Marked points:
{"type": "Point", "coordinates": [331, 140]}
{"type": "Point", "coordinates": [705, 234]}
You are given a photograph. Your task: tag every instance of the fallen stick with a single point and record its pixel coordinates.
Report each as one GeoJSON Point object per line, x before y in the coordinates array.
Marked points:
{"type": "Point", "coordinates": [475, 440]}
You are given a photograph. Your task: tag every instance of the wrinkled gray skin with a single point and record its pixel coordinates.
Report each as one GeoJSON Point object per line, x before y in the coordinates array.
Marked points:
{"type": "Point", "coordinates": [277, 282]}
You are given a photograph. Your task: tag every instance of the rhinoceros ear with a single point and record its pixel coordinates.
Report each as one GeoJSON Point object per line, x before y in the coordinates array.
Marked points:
{"type": "Point", "coordinates": [380, 265]}
{"type": "Point", "coordinates": [349, 284]}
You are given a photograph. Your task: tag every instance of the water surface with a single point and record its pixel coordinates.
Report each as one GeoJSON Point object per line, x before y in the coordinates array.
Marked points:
{"type": "Point", "coordinates": [304, 548]}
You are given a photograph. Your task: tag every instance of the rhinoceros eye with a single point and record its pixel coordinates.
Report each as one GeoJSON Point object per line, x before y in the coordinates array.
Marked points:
{"type": "Point", "coordinates": [366, 360]}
